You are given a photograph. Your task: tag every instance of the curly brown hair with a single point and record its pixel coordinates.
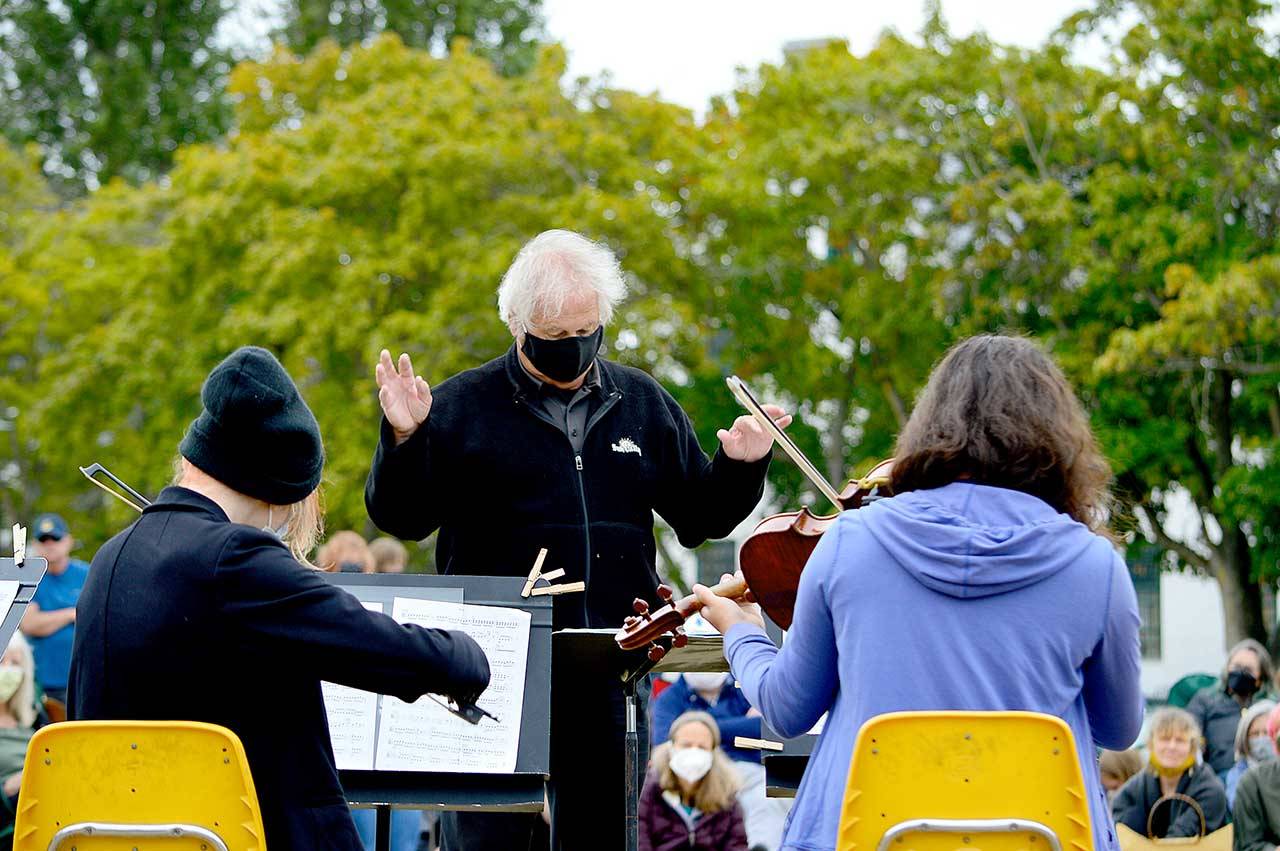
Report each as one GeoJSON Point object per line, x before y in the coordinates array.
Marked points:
{"type": "Point", "coordinates": [998, 411]}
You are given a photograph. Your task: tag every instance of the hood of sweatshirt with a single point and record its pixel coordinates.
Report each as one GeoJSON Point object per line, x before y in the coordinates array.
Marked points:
{"type": "Point", "coordinates": [970, 540]}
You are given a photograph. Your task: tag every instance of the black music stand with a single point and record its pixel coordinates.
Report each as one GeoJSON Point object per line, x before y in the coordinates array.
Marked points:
{"type": "Point", "coordinates": [28, 576]}
{"type": "Point", "coordinates": [595, 651]}
{"type": "Point", "coordinates": [521, 791]}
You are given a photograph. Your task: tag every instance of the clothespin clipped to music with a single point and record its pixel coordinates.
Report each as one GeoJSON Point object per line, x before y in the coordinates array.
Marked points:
{"type": "Point", "coordinates": [19, 544]}
{"type": "Point", "coordinates": [530, 590]}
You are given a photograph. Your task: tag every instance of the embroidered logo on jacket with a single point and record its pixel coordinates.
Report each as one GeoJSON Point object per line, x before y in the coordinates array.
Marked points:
{"type": "Point", "coordinates": [626, 444]}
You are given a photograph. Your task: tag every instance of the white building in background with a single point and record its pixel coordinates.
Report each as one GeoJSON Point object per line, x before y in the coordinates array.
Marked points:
{"type": "Point", "coordinates": [1191, 635]}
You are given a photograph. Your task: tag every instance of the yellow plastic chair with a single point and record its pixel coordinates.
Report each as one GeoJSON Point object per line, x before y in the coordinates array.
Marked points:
{"type": "Point", "coordinates": [965, 781]}
{"type": "Point", "coordinates": [136, 786]}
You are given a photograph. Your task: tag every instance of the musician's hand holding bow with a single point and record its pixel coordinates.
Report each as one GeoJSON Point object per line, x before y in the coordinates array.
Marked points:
{"type": "Point", "coordinates": [746, 439]}
{"type": "Point", "coordinates": [722, 612]}
{"type": "Point", "coordinates": [404, 396]}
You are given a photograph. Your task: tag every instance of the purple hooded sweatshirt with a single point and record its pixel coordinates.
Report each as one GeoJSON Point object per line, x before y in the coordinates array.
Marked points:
{"type": "Point", "coordinates": [965, 597]}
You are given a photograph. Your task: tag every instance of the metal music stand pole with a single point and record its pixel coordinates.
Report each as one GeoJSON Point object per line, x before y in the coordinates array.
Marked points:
{"type": "Point", "coordinates": [634, 770]}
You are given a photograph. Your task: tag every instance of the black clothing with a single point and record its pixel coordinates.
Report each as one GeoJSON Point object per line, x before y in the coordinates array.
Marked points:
{"type": "Point", "coordinates": [1174, 818]}
{"type": "Point", "coordinates": [1218, 714]}
{"type": "Point", "coordinates": [500, 477]}
{"type": "Point", "coordinates": [256, 433]}
{"type": "Point", "coordinates": [188, 616]}
{"type": "Point", "coordinates": [496, 475]}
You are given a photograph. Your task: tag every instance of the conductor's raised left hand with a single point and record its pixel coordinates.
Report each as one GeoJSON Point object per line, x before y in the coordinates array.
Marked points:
{"type": "Point", "coordinates": [746, 439]}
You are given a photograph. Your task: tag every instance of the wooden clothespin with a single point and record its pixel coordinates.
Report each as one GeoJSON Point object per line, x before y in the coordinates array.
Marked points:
{"type": "Point", "coordinates": [19, 544]}
{"type": "Point", "coordinates": [535, 573]}
{"type": "Point", "coordinates": [756, 744]}
{"type": "Point", "coordinates": [567, 588]}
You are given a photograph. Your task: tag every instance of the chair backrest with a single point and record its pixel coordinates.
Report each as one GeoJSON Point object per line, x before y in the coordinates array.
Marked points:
{"type": "Point", "coordinates": [106, 785]}
{"type": "Point", "coordinates": [977, 781]}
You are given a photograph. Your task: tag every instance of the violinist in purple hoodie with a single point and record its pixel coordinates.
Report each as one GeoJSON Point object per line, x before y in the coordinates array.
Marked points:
{"type": "Point", "coordinates": [987, 583]}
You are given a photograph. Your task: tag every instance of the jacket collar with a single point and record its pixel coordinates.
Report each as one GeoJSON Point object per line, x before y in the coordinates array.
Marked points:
{"type": "Point", "coordinates": [175, 498]}
{"type": "Point", "coordinates": [524, 385]}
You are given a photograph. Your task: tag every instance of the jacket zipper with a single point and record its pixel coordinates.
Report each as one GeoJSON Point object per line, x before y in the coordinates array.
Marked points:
{"type": "Point", "coordinates": [582, 487]}
{"type": "Point", "coordinates": [582, 495]}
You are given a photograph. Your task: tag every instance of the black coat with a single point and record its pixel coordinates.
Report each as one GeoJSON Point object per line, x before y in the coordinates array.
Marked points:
{"type": "Point", "coordinates": [188, 616]}
{"type": "Point", "coordinates": [1218, 714]}
{"type": "Point", "coordinates": [495, 474]}
{"type": "Point", "coordinates": [1174, 818]}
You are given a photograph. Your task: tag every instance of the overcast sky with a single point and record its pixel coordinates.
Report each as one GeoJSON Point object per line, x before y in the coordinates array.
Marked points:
{"type": "Point", "coordinates": [688, 50]}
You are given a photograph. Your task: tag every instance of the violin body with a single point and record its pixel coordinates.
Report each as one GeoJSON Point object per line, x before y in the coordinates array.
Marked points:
{"type": "Point", "coordinates": [775, 554]}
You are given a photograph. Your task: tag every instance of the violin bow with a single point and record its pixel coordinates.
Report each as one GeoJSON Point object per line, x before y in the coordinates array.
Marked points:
{"type": "Point", "coordinates": [467, 710]}
{"type": "Point", "coordinates": [748, 400]}
{"type": "Point", "coordinates": [125, 494]}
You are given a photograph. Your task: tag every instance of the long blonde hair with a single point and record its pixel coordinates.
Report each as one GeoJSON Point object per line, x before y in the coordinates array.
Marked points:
{"type": "Point", "coordinates": [719, 788]}
{"type": "Point", "coordinates": [22, 706]}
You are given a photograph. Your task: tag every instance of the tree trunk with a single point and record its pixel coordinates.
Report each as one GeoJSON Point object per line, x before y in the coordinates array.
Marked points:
{"type": "Point", "coordinates": [1241, 596]}
{"type": "Point", "coordinates": [1232, 561]}
{"type": "Point", "coordinates": [833, 443]}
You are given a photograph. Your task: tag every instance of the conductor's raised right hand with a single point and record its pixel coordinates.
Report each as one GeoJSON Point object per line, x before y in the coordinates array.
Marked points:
{"type": "Point", "coordinates": [404, 396]}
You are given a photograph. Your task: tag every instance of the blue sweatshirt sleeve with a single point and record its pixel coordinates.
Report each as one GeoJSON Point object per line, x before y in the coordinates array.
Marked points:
{"type": "Point", "coordinates": [793, 686]}
{"type": "Point", "coordinates": [1112, 673]}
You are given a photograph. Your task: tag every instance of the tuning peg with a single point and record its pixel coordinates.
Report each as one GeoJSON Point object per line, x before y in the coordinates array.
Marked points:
{"type": "Point", "coordinates": [641, 608]}
{"type": "Point", "coordinates": [631, 621]}
{"type": "Point", "coordinates": [680, 639]}
{"type": "Point", "coordinates": [665, 593]}
{"type": "Point", "coordinates": [656, 652]}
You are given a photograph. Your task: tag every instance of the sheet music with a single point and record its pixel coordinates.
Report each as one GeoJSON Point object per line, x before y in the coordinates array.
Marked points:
{"type": "Point", "coordinates": [353, 720]}
{"type": "Point", "coordinates": [424, 736]}
{"type": "Point", "coordinates": [8, 593]}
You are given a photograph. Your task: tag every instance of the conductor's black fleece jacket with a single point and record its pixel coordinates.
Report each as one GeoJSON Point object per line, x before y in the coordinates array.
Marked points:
{"type": "Point", "coordinates": [494, 472]}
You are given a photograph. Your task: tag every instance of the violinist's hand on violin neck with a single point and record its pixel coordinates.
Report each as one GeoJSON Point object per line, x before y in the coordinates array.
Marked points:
{"type": "Point", "coordinates": [405, 397]}
{"type": "Point", "coordinates": [746, 440]}
{"type": "Point", "coordinates": [722, 612]}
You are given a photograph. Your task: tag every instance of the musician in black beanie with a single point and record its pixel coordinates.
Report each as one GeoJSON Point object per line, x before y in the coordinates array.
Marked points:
{"type": "Point", "coordinates": [204, 600]}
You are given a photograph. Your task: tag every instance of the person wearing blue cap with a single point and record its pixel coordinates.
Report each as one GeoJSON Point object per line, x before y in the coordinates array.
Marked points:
{"type": "Point", "coordinates": [204, 608]}
{"type": "Point", "coordinates": [50, 620]}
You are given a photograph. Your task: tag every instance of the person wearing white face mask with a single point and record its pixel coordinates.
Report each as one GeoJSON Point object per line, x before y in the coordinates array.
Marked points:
{"type": "Point", "coordinates": [688, 801]}
{"type": "Point", "coordinates": [1253, 745]}
{"type": "Point", "coordinates": [716, 694]}
{"type": "Point", "coordinates": [17, 720]}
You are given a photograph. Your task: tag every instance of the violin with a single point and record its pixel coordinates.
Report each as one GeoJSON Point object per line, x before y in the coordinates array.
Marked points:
{"type": "Point", "coordinates": [773, 555]}
{"type": "Point", "coordinates": [465, 707]}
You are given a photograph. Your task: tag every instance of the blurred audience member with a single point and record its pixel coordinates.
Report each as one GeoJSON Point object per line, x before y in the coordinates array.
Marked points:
{"type": "Point", "coordinates": [1174, 766]}
{"type": "Point", "coordinates": [50, 620]}
{"type": "Point", "coordinates": [1116, 767]}
{"type": "Point", "coordinates": [688, 800]}
{"type": "Point", "coordinates": [345, 552]}
{"type": "Point", "coordinates": [389, 555]}
{"type": "Point", "coordinates": [17, 721]}
{"type": "Point", "coordinates": [715, 694]}
{"type": "Point", "coordinates": [1257, 806]}
{"type": "Point", "coordinates": [1253, 745]}
{"type": "Point", "coordinates": [1247, 679]}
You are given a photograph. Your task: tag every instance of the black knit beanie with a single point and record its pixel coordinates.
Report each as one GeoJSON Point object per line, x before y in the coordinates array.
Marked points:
{"type": "Point", "coordinates": [256, 434]}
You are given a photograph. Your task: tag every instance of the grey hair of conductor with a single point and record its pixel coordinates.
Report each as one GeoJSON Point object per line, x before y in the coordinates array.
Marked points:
{"type": "Point", "coordinates": [550, 267]}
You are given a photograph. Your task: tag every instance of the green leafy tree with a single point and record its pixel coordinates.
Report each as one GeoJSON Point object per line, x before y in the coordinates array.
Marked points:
{"type": "Point", "coordinates": [113, 88]}
{"type": "Point", "coordinates": [506, 31]}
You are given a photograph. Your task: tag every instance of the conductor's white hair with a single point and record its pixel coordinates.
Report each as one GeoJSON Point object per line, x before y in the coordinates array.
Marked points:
{"type": "Point", "coordinates": [550, 267]}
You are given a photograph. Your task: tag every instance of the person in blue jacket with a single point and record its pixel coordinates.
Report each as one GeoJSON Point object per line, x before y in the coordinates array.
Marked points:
{"type": "Point", "coordinates": [202, 610]}
{"type": "Point", "coordinates": [987, 583]}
